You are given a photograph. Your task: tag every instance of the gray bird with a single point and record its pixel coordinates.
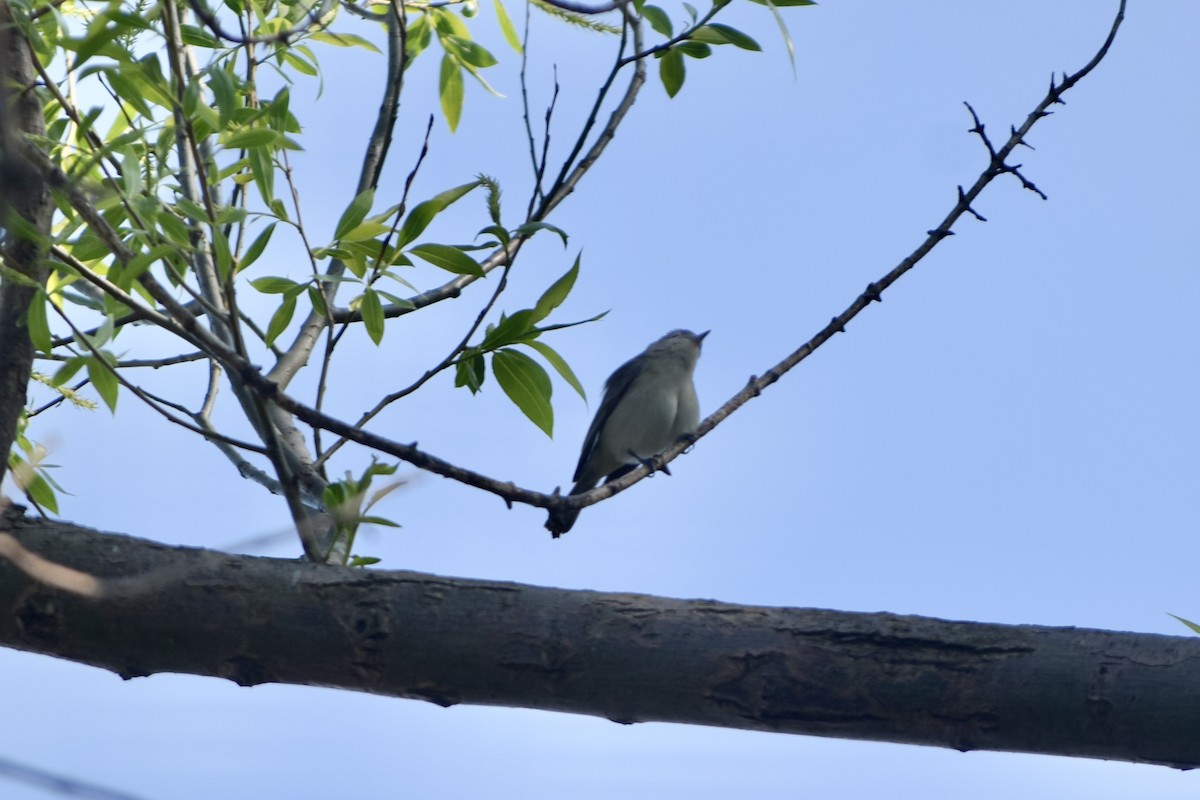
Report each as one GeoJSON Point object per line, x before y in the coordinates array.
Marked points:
{"type": "Point", "coordinates": [649, 402]}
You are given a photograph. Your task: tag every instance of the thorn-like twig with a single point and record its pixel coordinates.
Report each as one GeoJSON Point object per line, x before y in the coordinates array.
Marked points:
{"type": "Point", "coordinates": [966, 205]}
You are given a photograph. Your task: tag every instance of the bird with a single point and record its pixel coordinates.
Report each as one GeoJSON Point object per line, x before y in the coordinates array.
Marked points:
{"type": "Point", "coordinates": [649, 402]}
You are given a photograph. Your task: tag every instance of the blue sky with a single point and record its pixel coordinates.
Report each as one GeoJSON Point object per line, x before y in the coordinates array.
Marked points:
{"type": "Point", "coordinates": [1010, 436]}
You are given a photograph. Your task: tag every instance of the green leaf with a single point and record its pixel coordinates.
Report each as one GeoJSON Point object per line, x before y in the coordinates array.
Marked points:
{"type": "Point", "coordinates": [344, 40]}
{"type": "Point", "coordinates": [372, 314]}
{"type": "Point", "coordinates": [507, 27]}
{"type": "Point", "coordinates": [273, 285]}
{"type": "Point", "coordinates": [366, 231]}
{"type": "Point", "coordinates": [39, 325]}
{"type": "Point", "coordinates": [262, 166]}
{"type": "Point", "coordinates": [449, 24]}
{"type": "Point", "coordinates": [658, 20]}
{"type": "Point", "coordinates": [355, 213]}
{"type": "Point", "coordinates": [299, 64]}
{"type": "Point", "coordinates": [716, 33]}
{"type": "Point", "coordinates": [104, 332]}
{"type": "Point", "coordinates": [555, 360]}
{"type": "Point", "coordinates": [318, 301]}
{"type": "Point", "coordinates": [128, 92]}
{"type": "Point", "coordinates": [224, 92]}
{"type": "Point", "coordinates": [470, 372]}
{"type": "Point", "coordinates": [68, 370]}
{"type": "Point", "coordinates": [251, 137]}
{"type": "Point", "coordinates": [694, 49]}
{"type": "Point", "coordinates": [470, 52]}
{"type": "Point", "coordinates": [450, 89]}
{"type": "Point", "coordinates": [527, 385]}
{"type": "Point", "coordinates": [395, 300]}
{"type": "Point", "coordinates": [510, 330]}
{"type": "Point", "coordinates": [223, 255]}
{"type": "Point", "coordinates": [419, 218]}
{"type": "Point", "coordinates": [281, 318]}
{"type": "Point", "coordinates": [530, 228]}
{"type": "Point", "coordinates": [96, 40]}
{"type": "Point", "coordinates": [193, 35]}
{"type": "Point", "coordinates": [495, 230]}
{"type": "Point", "coordinates": [553, 297]}
{"type": "Point", "coordinates": [40, 492]}
{"type": "Point", "coordinates": [449, 258]}
{"type": "Point", "coordinates": [1195, 628]}
{"type": "Point", "coordinates": [672, 71]}
{"type": "Point", "coordinates": [419, 36]}
{"type": "Point", "coordinates": [132, 270]}
{"type": "Point", "coordinates": [105, 380]}
{"type": "Point", "coordinates": [783, 29]}
{"type": "Point", "coordinates": [175, 230]}
{"type": "Point", "coordinates": [256, 247]}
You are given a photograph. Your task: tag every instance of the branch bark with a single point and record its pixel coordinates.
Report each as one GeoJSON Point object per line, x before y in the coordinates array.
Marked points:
{"type": "Point", "coordinates": [629, 658]}
{"type": "Point", "coordinates": [24, 204]}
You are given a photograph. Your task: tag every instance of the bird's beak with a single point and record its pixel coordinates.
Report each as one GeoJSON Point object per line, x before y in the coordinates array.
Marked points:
{"type": "Point", "coordinates": [700, 336]}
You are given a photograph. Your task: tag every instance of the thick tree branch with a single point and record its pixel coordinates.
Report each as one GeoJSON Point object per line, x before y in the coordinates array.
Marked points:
{"type": "Point", "coordinates": [629, 658]}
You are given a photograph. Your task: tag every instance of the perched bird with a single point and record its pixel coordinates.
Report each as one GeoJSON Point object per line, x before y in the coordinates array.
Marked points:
{"type": "Point", "coordinates": [649, 402]}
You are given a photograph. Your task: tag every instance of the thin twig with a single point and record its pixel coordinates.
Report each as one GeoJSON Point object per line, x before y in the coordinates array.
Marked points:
{"type": "Point", "coordinates": [444, 364]}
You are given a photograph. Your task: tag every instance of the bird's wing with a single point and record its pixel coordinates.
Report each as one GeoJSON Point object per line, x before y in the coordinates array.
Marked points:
{"type": "Point", "coordinates": [614, 389]}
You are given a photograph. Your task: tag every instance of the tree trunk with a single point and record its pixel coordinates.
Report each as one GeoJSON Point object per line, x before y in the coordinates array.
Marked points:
{"type": "Point", "coordinates": [25, 213]}
{"type": "Point", "coordinates": [630, 658]}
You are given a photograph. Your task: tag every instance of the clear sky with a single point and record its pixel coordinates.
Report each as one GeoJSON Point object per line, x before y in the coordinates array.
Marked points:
{"type": "Point", "coordinates": [1011, 436]}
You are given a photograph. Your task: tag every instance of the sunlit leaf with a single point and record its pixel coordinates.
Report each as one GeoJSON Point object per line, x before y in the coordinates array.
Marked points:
{"type": "Point", "coordinates": [419, 218]}
{"type": "Point", "coordinates": [450, 88]}
{"type": "Point", "coordinates": [471, 52]}
{"type": "Point", "coordinates": [507, 27]}
{"type": "Point", "coordinates": [355, 213]}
